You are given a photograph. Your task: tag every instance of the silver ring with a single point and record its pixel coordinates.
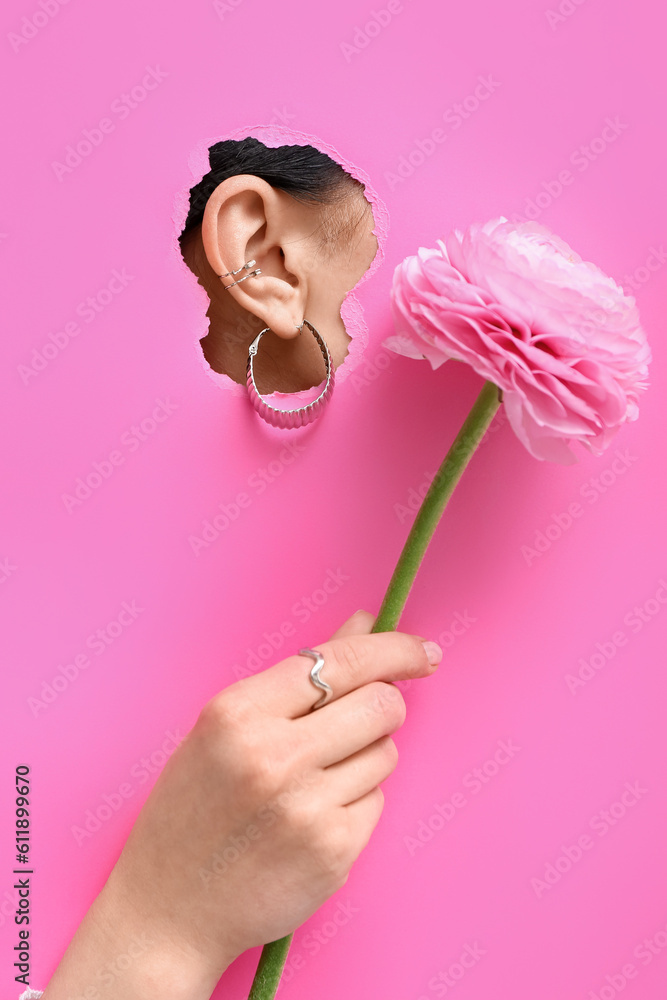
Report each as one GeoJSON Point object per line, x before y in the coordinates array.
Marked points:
{"type": "Point", "coordinates": [327, 692]}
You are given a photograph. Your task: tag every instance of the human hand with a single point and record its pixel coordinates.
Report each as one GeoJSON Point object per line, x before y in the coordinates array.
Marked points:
{"type": "Point", "coordinates": [258, 816]}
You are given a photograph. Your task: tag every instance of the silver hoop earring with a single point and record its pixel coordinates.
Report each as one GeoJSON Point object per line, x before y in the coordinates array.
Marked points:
{"type": "Point", "coordinates": [303, 414]}
{"type": "Point", "coordinates": [243, 267]}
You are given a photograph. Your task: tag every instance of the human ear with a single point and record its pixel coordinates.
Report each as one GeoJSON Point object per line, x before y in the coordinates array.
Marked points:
{"type": "Point", "coordinates": [246, 219]}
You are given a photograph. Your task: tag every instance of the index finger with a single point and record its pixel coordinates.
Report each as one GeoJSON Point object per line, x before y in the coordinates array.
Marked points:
{"type": "Point", "coordinates": [350, 661]}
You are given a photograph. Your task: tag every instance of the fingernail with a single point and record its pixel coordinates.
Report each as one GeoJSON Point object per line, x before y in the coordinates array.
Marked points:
{"type": "Point", "coordinates": [433, 652]}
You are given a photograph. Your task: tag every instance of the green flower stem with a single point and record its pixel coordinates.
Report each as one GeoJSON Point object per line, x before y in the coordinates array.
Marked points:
{"type": "Point", "coordinates": [273, 955]}
{"type": "Point", "coordinates": [270, 969]}
{"type": "Point", "coordinates": [433, 505]}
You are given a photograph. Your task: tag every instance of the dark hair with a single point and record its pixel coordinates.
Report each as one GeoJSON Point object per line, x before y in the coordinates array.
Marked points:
{"type": "Point", "coordinates": [304, 172]}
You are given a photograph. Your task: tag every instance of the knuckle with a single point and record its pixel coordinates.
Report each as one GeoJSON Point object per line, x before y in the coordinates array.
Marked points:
{"type": "Point", "coordinates": [352, 656]}
{"type": "Point", "coordinates": [365, 617]}
{"type": "Point", "coordinates": [302, 818]}
{"type": "Point", "coordinates": [333, 852]}
{"type": "Point", "coordinates": [253, 759]}
{"type": "Point", "coordinates": [261, 779]}
{"type": "Point", "coordinates": [387, 700]}
{"type": "Point", "coordinates": [208, 716]}
{"type": "Point", "coordinates": [389, 751]}
{"type": "Point", "coordinates": [342, 878]}
{"type": "Point", "coordinates": [287, 796]}
{"type": "Point", "coordinates": [377, 798]}
{"type": "Point", "coordinates": [271, 768]}
{"type": "Point", "coordinates": [229, 709]}
{"type": "Point", "coordinates": [415, 654]}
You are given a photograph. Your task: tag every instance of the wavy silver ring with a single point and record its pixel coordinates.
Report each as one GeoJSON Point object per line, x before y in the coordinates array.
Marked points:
{"type": "Point", "coordinates": [327, 692]}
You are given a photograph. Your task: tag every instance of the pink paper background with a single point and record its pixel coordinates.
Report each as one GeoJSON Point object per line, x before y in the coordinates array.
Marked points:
{"type": "Point", "coordinates": [339, 506]}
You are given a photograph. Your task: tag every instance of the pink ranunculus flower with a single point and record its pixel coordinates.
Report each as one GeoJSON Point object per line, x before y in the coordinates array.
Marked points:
{"type": "Point", "coordinates": [556, 334]}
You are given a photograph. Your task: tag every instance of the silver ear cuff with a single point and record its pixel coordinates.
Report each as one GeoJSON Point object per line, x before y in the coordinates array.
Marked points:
{"type": "Point", "coordinates": [250, 263]}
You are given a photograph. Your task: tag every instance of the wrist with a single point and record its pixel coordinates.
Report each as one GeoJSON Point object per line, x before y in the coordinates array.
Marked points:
{"type": "Point", "coordinates": [122, 953]}
{"type": "Point", "coordinates": [173, 964]}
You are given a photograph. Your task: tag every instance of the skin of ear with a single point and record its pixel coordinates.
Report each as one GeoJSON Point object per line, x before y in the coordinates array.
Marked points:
{"type": "Point", "coordinates": [311, 255]}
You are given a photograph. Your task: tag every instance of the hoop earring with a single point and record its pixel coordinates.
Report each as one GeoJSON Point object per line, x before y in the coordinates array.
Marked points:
{"type": "Point", "coordinates": [249, 264]}
{"type": "Point", "coordinates": [303, 414]}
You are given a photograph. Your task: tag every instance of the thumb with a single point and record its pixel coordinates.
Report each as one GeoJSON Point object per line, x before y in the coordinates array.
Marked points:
{"type": "Point", "coordinates": [360, 623]}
